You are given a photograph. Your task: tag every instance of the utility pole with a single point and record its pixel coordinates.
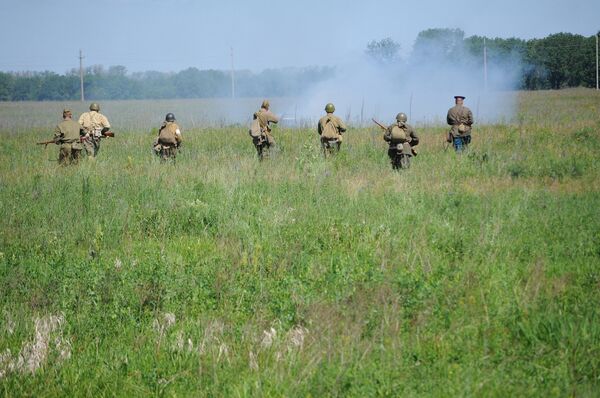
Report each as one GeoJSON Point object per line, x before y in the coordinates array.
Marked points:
{"type": "Point", "coordinates": [81, 74]}
{"type": "Point", "coordinates": [485, 76]}
{"type": "Point", "coordinates": [232, 76]}
{"type": "Point", "coordinates": [597, 88]}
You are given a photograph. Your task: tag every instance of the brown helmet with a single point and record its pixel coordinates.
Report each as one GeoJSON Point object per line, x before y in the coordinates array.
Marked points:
{"type": "Point", "coordinates": [95, 107]}
{"type": "Point", "coordinates": [329, 108]}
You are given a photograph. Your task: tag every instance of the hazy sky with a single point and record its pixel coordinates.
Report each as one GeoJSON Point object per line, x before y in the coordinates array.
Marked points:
{"type": "Point", "coordinates": [173, 35]}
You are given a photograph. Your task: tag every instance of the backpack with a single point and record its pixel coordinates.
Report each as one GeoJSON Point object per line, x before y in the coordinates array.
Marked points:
{"type": "Point", "coordinates": [255, 130]}
{"type": "Point", "coordinates": [329, 130]}
{"type": "Point", "coordinates": [166, 135]}
{"type": "Point", "coordinates": [398, 133]}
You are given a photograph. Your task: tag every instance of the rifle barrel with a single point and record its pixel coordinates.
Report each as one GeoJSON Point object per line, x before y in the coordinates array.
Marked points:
{"type": "Point", "coordinates": [379, 124]}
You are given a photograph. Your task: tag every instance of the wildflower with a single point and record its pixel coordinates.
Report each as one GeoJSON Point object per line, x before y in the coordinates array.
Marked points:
{"type": "Point", "coordinates": [169, 320]}
{"type": "Point", "coordinates": [223, 351]}
{"type": "Point", "coordinates": [253, 363]}
{"type": "Point", "coordinates": [268, 337]}
{"type": "Point", "coordinates": [297, 335]}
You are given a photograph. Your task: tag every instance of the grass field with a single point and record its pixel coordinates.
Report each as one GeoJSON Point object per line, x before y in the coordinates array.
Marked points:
{"type": "Point", "coordinates": [471, 275]}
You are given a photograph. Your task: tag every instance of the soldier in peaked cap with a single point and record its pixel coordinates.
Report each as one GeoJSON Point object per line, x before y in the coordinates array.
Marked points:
{"type": "Point", "coordinates": [460, 119]}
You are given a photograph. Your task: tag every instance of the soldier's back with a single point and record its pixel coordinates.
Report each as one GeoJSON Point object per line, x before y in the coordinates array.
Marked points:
{"type": "Point", "coordinates": [69, 130]}
{"type": "Point", "coordinates": [168, 134]}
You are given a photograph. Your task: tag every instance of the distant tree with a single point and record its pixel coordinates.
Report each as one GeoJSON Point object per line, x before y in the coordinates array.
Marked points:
{"type": "Point", "coordinates": [446, 45]}
{"type": "Point", "coordinates": [563, 59]}
{"type": "Point", "coordinates": [6, 86]}
{"type": "Point", "coordinates": [384, 51]}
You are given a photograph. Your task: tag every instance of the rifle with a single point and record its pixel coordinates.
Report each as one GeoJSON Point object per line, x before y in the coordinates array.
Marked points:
{"type": "Point", "coordinates": [379, 124]}
{"type": "Point", "coordinates": [45, 143]}
{"type": "Point", "coordinates": [81, 139]}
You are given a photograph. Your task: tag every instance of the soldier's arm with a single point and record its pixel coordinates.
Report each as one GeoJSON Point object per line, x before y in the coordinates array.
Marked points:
{"type": "Point", "coordinates": [320, 128]}
{"type": "Point", "coordinates": [469, 118]}
{"type": "Point", "coordinates": [104, 123]}
{"type": "Point", "coordinates": [272, 118]}
{"type": "Point", "coordinates": [387, 134]}
{"type": "Point", "coordinates": [178, 136]}
{"type": "Point", "coordinates": [341, 126]}
{"type": "Point", "coordinates": [57, 134]}
{"type": "Point", "coordinates": [450, 118]}
{"type": "Point", "coordinates": [414, 137]}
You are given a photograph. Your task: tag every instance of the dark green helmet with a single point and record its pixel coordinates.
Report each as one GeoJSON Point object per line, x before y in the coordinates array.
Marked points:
{"type": "Point", "coordinates": [401, 117]}
{"type": "Point", "coordinates": [95, 107]}
{"type": "Point", "coordinates": [170, 117]}
{"type": "Point", "coordinates": [329, 108]}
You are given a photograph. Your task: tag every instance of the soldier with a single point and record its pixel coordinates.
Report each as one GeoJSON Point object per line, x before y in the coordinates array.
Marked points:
{"type": "Point", "coordinates": [94, 125]}
{"type": "Point", "coordinates": [460, 118]}
{"type": "Point", "coordinates": [401, 137]}
{"type": "Point", "coordinates": [260, 130]}
{"type": "Point", "coordinates": [330, 128]}
{"type": "Point", "coordinates": [67, 135]}
{"type": "Point", "coordinates": [169, 139]}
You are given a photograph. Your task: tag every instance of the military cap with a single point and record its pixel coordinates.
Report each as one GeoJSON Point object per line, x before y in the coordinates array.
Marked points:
{"type": "Point", "coordinates": [265, 104]}
{"type": "Point", "coordinates": [459, 96]}
{"type": "Point", "coordinates": [67, 110]}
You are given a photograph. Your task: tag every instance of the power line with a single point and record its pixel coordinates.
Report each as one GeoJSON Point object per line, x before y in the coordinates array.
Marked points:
{"type": "Point", "coordinates": [81, 74]}
{"type": "Point", "coordinates": [597, 88]}
{"type": "Point", "coordinates": [232, 76]}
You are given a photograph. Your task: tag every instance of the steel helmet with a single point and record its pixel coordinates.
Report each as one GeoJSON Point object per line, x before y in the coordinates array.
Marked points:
{"type": "Point", "coordinates": [170, 117]}
{"type": "Point", "coordinates": [95, 107]}
{"type": "Point", "coordinates": [401, 117]}
{"type": "Point", "coordinates": [329, 108]}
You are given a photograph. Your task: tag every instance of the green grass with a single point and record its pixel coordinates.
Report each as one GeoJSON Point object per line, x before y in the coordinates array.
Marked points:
{"type": "Point", "coordinates": [472, 275]}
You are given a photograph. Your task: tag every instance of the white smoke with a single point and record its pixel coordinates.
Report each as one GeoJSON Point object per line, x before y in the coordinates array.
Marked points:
{"type": "Point", "coordinates": [422, 86]}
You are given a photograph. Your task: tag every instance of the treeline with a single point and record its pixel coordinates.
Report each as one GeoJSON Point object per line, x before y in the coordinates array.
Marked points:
{"type": "Point", "coordinates": [116, 83]}
{"type": "Point", "coordinates": [557, 61]}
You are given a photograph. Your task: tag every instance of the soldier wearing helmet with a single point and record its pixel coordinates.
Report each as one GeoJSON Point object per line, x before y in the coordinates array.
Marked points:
{"type": "Point", "coordinates": [94, 125]}
{"type": "Point", "coordinates": [330, 129]}
{"type": "Point", "coordinates": [66, 134]}
{"type": "Point", "coordinates": [169, 139]}
{"type": "Point", "coordinates": [260, 130]}
{"type": "Point", "coordinates": [460, 118]}
{"type": "Point", "coordinates": [400, 136]}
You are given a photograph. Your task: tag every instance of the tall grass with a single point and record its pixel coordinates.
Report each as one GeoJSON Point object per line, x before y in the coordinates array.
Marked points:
{"type": "Point", "coordinates": [302, 276]}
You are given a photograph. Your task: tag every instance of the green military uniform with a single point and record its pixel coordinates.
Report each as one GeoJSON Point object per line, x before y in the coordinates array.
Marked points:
{"type": "Point", "coordinates": [407, 139]}
{"type": "Point", "coordinates": [93, 124]}
{"type": "Point", "coordinates": [330, 129]}
{"type": "Point", "coordinates": [264, 141]}
{"type": "Point", "coordinates": [67, 135]}
{"type": "Point", "coordinates": [460, 118]}
{"type": "Point", "coordinates": [169, 140]}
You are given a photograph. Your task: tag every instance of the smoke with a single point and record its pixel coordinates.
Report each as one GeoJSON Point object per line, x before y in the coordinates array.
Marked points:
{"type": "Point", "coordinates": [422, 85]}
